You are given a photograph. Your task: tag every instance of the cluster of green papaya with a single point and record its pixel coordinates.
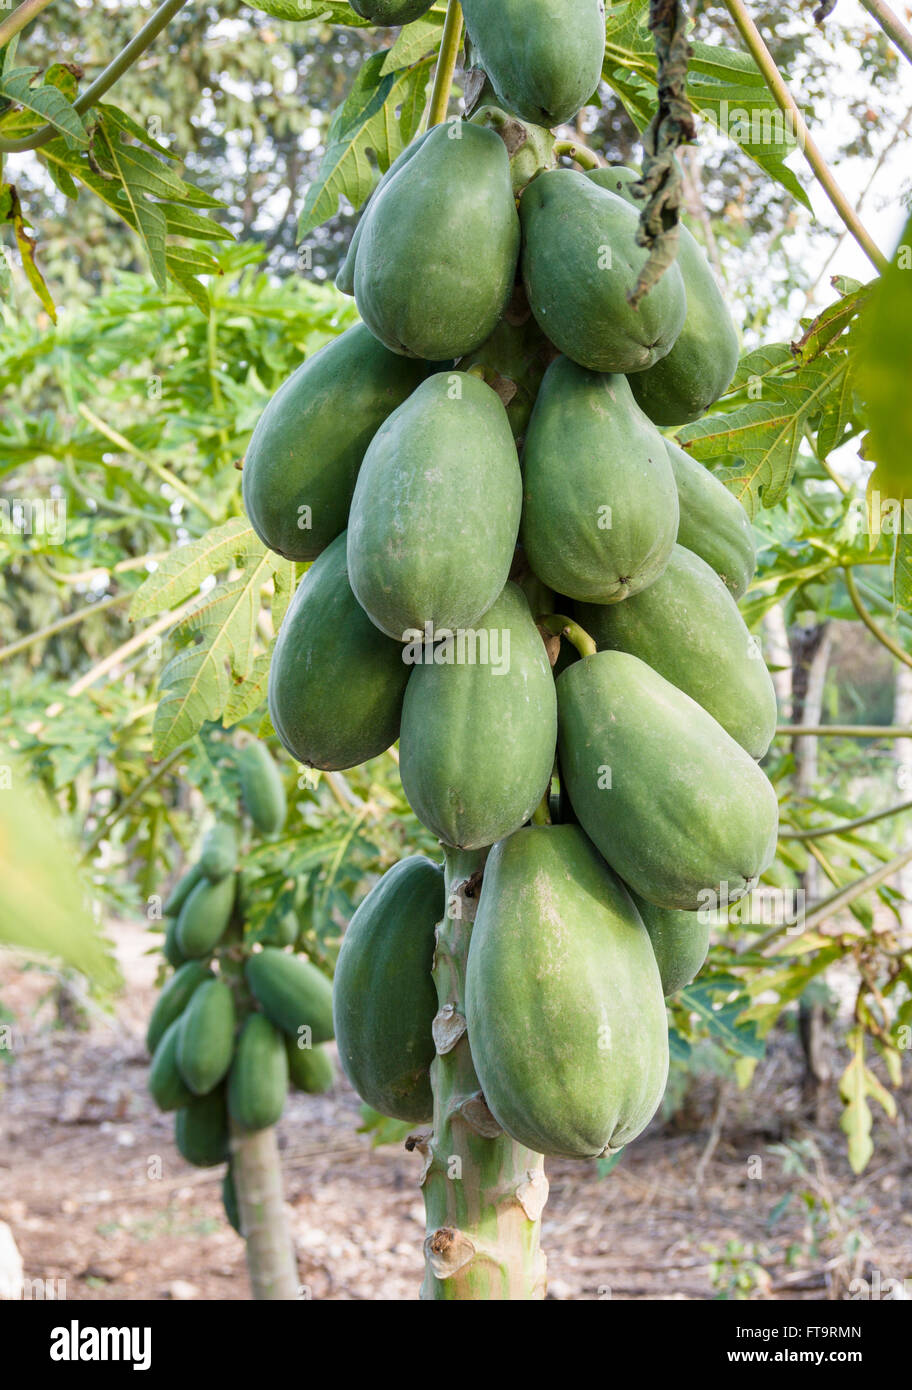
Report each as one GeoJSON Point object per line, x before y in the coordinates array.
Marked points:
{"type": "Point", "coordinates": [233, 1027]}
{"type": "Point", "coordinates": [479, 466]}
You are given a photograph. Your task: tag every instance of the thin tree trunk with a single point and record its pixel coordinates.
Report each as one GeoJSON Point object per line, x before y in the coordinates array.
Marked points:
{"type": "Point", "coordinates": [257, 1172]}
{"type": "Point", "coordinates": [779, 657]}
{"type": "Point", "coordinates": [483, 1193]}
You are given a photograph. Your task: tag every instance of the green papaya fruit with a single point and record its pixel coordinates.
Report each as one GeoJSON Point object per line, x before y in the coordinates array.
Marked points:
{"type": "Point", "coordinates": [292, 993]}
{"type": "Point", "coordinates": [713, 523]}
{"type": "Point", "coordinates": [680, 941]}
{"type": "Point", "coordinates": [687, 627]}
{"type": "Point", "coordinates": [600, 507]}
{"type": "Point", "coordinates": [444, 465]}
{"type": "Point", "coordinates": [182, 890]}
{"type": "Point", "coordinates": [391, 12]}
{"type": "Point", "coordinates": [335, 682]}
{"type": "Point", "coordinates": [230, 1200]}
{"type": "Point", "coordinates": [674, 804]}
{"type": "Point", "coordinates": [205, 916]}
{"type": "Point", "coordinates": [345, 280]}
{"type": "Point", "coordinates": [514, 360]}
{"type": "Point", "coordinates": [543, 57]}
{"type": "Point", "coordinates": [530, 147]}
{"type": "Point", "coordinates": [286, 930]}
{"type": "Point", "coordinates": [478, 728]}
{"type": "Point", "coordinates": [219, 854]}
{"type": "Point", "coordinates": [309, 1068]}
{"type": "Point", "coordinates": [258, 1079]}
{"type": "Point", "coordinates": [303, 457]}
{"type": "Point", "coordinates": [451, 212]}
{"type": "Point", "coordinates": [201, 1130]}
{"type": "Point", "coordinates": [686, 382]}
{"type": "Point", "coordinates": [262, 788]}
{"type": "Point", "coordinates": [580, 261]}
{"type": "Point", "coordinates": [170, 948]}
{"type": "Point", "coordinates": [166, 1085]}
{"type": "Point", "coordinates": [384, 1000]}
{"type": "Point", "coordinates": [173, 999]}
{"type": "Point", "coordinates": [566, 1019]}
{"type": "Point", "coordinates": [205, 1041]}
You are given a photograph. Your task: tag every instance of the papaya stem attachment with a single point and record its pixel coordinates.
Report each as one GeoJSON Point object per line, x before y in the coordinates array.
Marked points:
{"type": "Point", "coordinates": [446, 63]}
{"type": "Point", "coordinates": [580, 154]}
{"type": "Point", "coordinates": [562, 626]}
{"type": "Point", "coordinates": [542, 813]}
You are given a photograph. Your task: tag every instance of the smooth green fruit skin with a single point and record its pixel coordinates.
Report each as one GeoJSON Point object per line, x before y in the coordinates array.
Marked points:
{"type": "Point", "coordinates": [600, 507]}
{"type": "Point", "coordinates": [336, 682]}
{"type": "Point", "coordinates": [205, 1042]}
{"type": "Point", "coordinates": [674, 804]}
{"type": "Point", "coordinates": [230, 1201]}
{"type": "Point", "coordinates": [444, 465]}
{"type": "Point", "coordinates": [205, 916]}
{"type": "Point", "coordinates": [292, 993]}
{"type": "Point", "coordinates": [219, 854]}
{"type": "Point", "coordinates": [262, 788]}
{"type": "Point", "coordinates": [170, 948]}
{"type": "Point", "coordinates": [345, 280]}
{"type": "Point", "coordinates": [687, 627]}
{"type": "Point", "coordinates": [713, 523]}
{"type": "Point", "coordinates": [391, 12]}
{"type": "Point", "coordinates": [514, 358]}
{"type": "Point", "coordinates": [201, 1130]}
{"type": "Point", "coordinates": [303, 457]}
{"type": "Point", "coordinates": [310, 1069]}
{"type": "Point", "coordinates": [449, 213]}
{"type": "Point", "coordinates": [477, 747]}
{"type": "Point", "coordinates": [173, 999]}
{"type": "Point", "coordinates": [182, 890]}
{"type": "Point", "coordinates": [703, 360]}
{"type": "Point", "coordinates": [258, 1079]}
{"type": "Point", "coordinates": [571, 228]}
{"type": "Point", "coordinates": [543, 57]}
{"type": "Point", "coordinates": [384, 999]}
{"type": "Point", "coordinates": [564, 1003]}
{"type": "Point", "coordinates": [680, 941]}
{"type": "Point", "coordinates": [166, 1084]}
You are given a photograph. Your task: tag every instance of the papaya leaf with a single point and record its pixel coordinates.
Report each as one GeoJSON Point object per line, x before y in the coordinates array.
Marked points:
{"type": "Point", "coordinates": [856, 1121]}
{"type": "Point", "coordinates": [11, 211]}
{"type": "Point", "coordinates": [304, 11]}
{"type": "Point", "coordinates": [415, 41]}
{"type": "Point", "coordinates": [365, 123]}
{"type": "Point", "coordinates": [185, 570]}
{"type": "Point", "coordinates": [721, 1018]}
{"type": "Point", "coordinates": [46, 103]}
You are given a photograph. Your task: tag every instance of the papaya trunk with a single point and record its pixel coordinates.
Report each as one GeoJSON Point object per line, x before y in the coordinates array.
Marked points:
{"type": "Point", "coordinates": [483, 1193]}
{"type": "Point", "coordinates": [258, 1181]}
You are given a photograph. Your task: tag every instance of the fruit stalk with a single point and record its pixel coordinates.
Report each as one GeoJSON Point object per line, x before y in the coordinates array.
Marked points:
{"type": "Point", "coordinates": [257, 1172]}
{"type": "Point", "coordinates": [483, 1193]}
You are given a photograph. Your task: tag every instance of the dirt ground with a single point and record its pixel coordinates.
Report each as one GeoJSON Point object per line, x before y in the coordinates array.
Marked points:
{"type": "Point", "coordinates": [738, 1195]}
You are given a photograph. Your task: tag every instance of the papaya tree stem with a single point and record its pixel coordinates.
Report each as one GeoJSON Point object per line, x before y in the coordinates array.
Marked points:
{"type": "Point", "coordinates": [483, 1193]}
{"type": "Point", "coordinates": [580, 154]}
{"type": "Point", "coordinates": [562, 626]}
{"type": "Point", "coordinates": [257, 1173]}
{"type": "Point", "coordinates": [873, 627]}
{"type": "Point", "coordinates": [891, 24]}
{"type": "Point", "coordinates": [446, 63]}
{"type": "Point", "coordinates": [22, 15]}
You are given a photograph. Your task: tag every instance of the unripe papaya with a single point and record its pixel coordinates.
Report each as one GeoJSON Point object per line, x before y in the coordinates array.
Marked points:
{"type": "Point", "coordinates": [391, 12]}
{"type": "Point", "coordinates": [600, 507]}
{"type": "Point", "coordinates": [566, 1019]}
{"type": "Point", "coordinates": [258, 1079]}
{"type": "Point", "coordinates": [303, 457]}
{"type": "Point", "coordinates": [543, 57]}
{"type": "Point", "coordinates": [262, 788]}
{"type": "Point", "coordinates": [687, 627]}
{"type": "Point", "coordinates": [514, 360]}
{"type": "Point", "coordinates": [713, 523]}
{"type": "Point", "coordinates": [345, 280]}
{"type": "Point", "coordinates": [205, 916]}
{"type": "Point", "coordinates": [478, 728]}
{"type": "Point", "coordinates": [219, 854]}
{"type": "Point", "coordinates": [684, 384]}
{"type": "Point", "coordinates": [205, 1040]}
{"type": "Point", "coordinates": [674, 804]}
{"type": "Point", "coordinates": [580, 261]}
{"type": "Point", "coordinates": [336, 682]}
{"type": "Point", "coordinates": [166, 1084]}
{"type": "Point", "coordinates": [173, 999]}
{"type": "Point", "coordinates": [310, 1069]}
{"type": "Point", "coordinates": [170, 948]}
{"type": "Point", "coordinates": [182, 890]}
{"type": "Point", "coordinates": [230, 1200]}
{"type": "Point", "coordinates": [292, 993]}
{"type": "Point", "coordinates": [201, 1130]}
{"type": "Point", "coordinates": [449, 211]}
{"type": "Point", "coordinates": [443, 465]}
{"type": "Point", "coordinates": [680, 941]}
{"type": "Point", "coordinates": [384, 1000]}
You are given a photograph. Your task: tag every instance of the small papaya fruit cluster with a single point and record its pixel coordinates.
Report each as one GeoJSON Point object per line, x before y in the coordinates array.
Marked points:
{"type": "Point", "coordinates": [233, 1027]}
{"type": "Point", "coordinates": [479, 466]}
